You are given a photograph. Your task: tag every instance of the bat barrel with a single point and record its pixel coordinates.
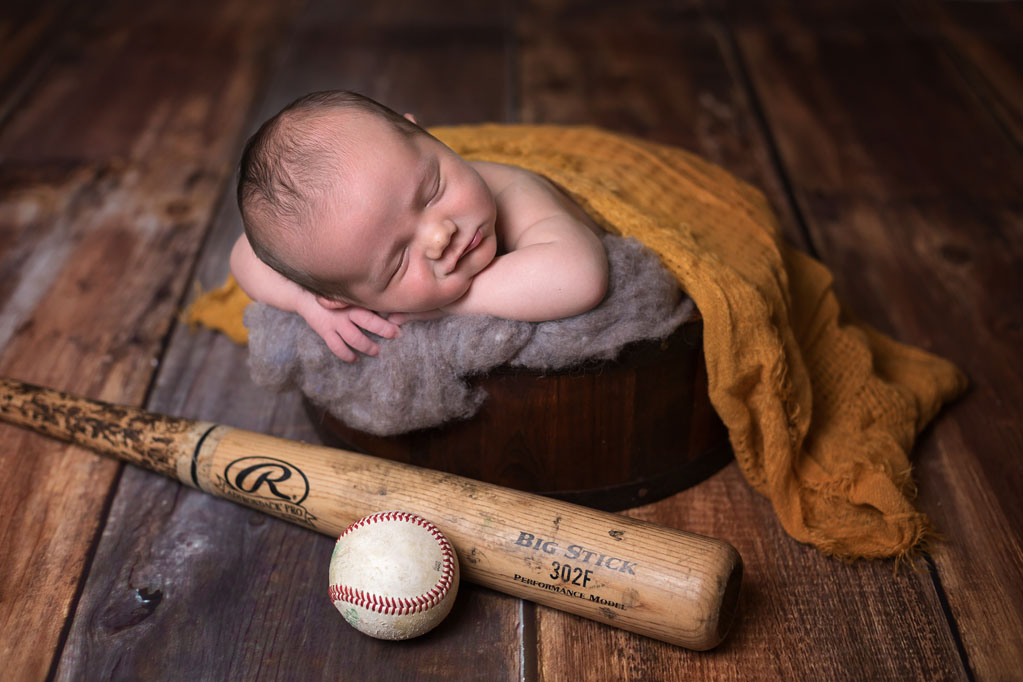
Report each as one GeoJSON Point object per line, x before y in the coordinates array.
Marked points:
{"type": "Point", "coordinates": [661, 582]}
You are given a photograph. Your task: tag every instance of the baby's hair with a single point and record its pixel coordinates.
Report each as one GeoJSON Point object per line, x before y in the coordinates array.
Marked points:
{"type": "Point", "coordinates": [283, 167]}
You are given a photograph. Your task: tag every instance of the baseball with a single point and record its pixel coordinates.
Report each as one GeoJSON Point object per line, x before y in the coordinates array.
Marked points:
{"type": "Point", "coordinates": [393, 575]}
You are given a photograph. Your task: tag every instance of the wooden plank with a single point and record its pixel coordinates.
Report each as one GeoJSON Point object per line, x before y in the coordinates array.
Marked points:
{"type": "Point", "coordinates": [928, 133]}
{"type": "Point", "coordinates": [980, 40]}
{"type": "Point", "coordinates": [801, 616]}
{"type": "Point", "coordinates": [912, 196]}
{"type": "Point", "coordinates": [411, 56]}
{"type": "Point", "coordinates": [29, 34]}
{"type": "Point", "coordinates": [238, 594]}
{"type": "Point", "coordinates": [984, 46]}
{"type": "Point", "coordinates": [673, 78]}
{"type": "Point", "coordinates": [104, 221]}
{"type": "Point", "coordinates": [133, 114]}
{"type": "Point", "coordinates": [834, 18]}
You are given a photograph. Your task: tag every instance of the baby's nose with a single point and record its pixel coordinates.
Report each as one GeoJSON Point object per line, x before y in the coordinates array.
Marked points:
{"type": "Point", "coordinates": [438, 237]}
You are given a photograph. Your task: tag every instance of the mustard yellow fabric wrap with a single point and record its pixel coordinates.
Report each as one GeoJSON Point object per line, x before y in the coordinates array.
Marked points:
{"type": "Point", "coordinates": [821, 411]}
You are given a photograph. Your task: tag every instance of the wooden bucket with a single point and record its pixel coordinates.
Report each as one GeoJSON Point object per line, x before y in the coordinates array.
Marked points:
{"type": "Point", "coordinates": [609, 435]}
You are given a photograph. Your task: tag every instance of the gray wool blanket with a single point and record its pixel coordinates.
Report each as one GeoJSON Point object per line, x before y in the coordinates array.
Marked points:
{"type": "Point", "coordinates": [421, 379]}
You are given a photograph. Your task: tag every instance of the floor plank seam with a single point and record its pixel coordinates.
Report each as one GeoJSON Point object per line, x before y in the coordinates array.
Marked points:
{"type": "Point", "coordinates": [528, 643]}
{"type": "Point", "coordinates": [223, 194]}
{"type": "Point", "coordinates": [90, 556]}
{"type": "Point", "coordinates": [946, 609]}
{"type": "Point", "coordinates": [745, 81]}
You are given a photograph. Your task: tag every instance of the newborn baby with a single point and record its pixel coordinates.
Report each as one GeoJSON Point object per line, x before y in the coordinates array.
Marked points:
{"type": "Point", "coordinates": [358, 219]}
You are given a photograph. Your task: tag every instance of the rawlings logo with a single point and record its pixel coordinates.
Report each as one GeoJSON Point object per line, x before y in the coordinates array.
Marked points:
{"type": "Point", "coordinates": [267, 478]}
{"type": "Point", "coordinates": [267, 483]}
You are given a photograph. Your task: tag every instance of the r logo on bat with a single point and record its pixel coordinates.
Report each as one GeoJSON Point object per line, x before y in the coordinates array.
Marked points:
{"type": "Point", "coordinates": [268, 478]}
{"type": "Point", "coordinates": [267, 482]}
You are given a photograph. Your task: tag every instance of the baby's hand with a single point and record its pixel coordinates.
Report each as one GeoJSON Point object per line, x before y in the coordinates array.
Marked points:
{"type": "Point", "coordinates": [343, 329]}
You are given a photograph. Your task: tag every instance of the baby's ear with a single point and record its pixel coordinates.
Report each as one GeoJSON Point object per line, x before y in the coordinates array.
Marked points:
{"type": "Point", "coordinates": [332, 304]}
{"type": "Point", "coordinates": [412, 118]}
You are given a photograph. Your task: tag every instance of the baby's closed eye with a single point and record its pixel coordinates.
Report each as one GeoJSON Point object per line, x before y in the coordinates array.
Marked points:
{"type": "Point", "coordinates": [438, 189]}
{"type": "Point", "coordinates": [402, 257]}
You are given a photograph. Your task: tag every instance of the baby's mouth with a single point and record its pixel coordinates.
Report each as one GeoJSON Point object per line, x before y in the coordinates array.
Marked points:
{"type": "Point", "coordinates": [449, 265]}
{"type": "Point", "coordinates": [476, 239]}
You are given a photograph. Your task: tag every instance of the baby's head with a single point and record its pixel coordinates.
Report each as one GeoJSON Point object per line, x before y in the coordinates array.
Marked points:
{"type": "Point", "coordinates": [361, 206]}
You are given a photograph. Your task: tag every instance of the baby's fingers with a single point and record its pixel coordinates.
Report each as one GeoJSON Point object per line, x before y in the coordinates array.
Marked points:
{"type": "Point", "coordinates": [339, 348]}
{"type": "Point", "coordinates": [372, 322]}
{"type": "Point", "coordinates": [354, 337]}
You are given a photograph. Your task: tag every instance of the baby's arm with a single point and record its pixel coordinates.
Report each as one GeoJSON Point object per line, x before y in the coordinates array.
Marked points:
{"type": "Point", "coordinates": [555, 265]}
{"type": "Point", "coordinates": [340, 326]}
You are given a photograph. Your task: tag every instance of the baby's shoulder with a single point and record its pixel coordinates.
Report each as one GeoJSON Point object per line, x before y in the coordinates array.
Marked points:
{"type": "Point", "coordinates": [525, 198]}
{"type": "Point", "coordinates": [499, 176]}
{"type": "Point", "coordinates": [518, 187]}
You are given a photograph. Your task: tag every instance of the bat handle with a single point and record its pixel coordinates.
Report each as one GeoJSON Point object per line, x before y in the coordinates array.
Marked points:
{"type": "Point", "coordinates": [153, 441]}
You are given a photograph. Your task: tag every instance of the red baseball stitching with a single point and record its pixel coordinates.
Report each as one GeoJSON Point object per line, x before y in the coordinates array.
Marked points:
{"type": "Point", "coordinates": [399, 606]}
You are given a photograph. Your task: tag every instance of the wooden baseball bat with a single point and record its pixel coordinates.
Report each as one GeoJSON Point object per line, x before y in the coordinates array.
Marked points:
{"type": "Point", "coordinates": [664, 583]}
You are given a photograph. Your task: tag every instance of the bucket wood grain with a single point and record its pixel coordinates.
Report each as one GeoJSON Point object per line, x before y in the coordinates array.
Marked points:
{"type": "Point", "coordinates": [609, 435]}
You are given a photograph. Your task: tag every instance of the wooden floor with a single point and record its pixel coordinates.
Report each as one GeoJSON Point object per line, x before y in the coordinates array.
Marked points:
{"type": "Point", "coordinates": [888, 137]}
